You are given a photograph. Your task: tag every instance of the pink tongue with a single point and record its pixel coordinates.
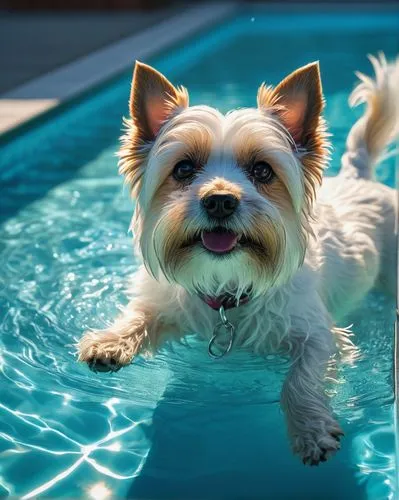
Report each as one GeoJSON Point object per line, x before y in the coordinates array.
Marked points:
{"type": "Point", "coordinates": [219, 242]}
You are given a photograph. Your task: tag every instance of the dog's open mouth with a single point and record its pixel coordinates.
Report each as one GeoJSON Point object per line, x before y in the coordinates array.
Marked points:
{"type": "Point", "coordinates": [219, 240]}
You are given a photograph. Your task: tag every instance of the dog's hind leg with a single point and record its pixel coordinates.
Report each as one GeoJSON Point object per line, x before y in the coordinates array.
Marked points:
{"type": "Point", "coordinates": [313, 431]}
{"type": "Point", "coordinates": [378, 127]}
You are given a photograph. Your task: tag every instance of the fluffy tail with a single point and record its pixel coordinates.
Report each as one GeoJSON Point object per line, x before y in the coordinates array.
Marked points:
{"type": "Point", "coordinates": [371, 135]}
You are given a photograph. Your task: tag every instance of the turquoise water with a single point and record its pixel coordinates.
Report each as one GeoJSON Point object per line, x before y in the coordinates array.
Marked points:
{"type": "Point", "coordinates": [178, 425]}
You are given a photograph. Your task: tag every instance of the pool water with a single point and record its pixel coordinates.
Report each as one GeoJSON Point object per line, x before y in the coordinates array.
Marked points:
{"type": "Point", "coordinates": [179, 425]}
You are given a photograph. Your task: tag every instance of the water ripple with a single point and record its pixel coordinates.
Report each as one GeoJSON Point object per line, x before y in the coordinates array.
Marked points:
{"type": "Point", "coordinates": [62, 275]}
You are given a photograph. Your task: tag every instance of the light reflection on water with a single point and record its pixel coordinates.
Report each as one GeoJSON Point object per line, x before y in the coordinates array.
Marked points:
{"type": "Point", "coordinates": [67, 428]}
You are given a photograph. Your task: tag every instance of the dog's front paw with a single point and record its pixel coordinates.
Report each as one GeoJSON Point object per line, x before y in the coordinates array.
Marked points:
{"type": "Point", "coordinates": [315, 447]}
{"type": "Point", "coordinates": [105, 351]}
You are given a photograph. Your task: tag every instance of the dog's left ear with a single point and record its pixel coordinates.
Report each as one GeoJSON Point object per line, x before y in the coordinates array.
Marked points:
{"type": "Point", "coordinates": [153, 100]}
{"type": "Point", "coordinates": [298, 102]}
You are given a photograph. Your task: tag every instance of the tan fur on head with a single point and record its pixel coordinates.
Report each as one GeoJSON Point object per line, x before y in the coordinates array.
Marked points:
{"type": "Point", "coordinates": [153, 100]}
{"type": "Point", "coordinates": [218, 185]}
{"type": "Point", "coordinates": [298, 102]}
{"type": "Point", "coordinates": [286, 132]}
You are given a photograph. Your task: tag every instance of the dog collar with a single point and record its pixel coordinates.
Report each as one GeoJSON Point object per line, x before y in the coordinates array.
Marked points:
{"type": "Point", "coordinates": [223, 327]}
{"type": "Point", "coordinates": [226, 301]}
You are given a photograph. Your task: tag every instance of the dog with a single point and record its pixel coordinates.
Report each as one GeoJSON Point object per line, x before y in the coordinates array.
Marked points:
{"type": "Point", "coordinates": [235, 245]}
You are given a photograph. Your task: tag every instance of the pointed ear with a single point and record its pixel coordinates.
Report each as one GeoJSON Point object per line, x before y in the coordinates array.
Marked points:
{"type": "Point", "coordinates": [298, 101]}
{"type": "Point", "coordinates": [153, 100]}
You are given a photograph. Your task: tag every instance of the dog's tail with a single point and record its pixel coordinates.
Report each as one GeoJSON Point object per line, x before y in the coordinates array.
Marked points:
{"type": "Point", "coordinates": [371, 135]}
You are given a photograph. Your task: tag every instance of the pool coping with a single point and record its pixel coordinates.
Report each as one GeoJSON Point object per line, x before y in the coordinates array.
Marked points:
{"type": "Point", "coordinates": [37, 97]}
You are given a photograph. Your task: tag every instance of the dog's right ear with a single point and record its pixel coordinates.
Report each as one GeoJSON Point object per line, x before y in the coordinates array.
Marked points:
{"type": "Point", "coordinates": [153, 100]}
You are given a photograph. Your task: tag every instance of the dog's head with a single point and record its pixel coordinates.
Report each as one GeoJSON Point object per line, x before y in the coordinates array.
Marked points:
{"type": "Point", "coordinates": [223, 201]}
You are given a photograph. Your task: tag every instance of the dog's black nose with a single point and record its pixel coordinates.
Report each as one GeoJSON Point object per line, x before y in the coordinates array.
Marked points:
{"type": "Point", "coordinates": [220, 205]}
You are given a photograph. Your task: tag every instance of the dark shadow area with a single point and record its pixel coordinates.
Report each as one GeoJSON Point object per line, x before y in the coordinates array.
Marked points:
{"type": "Point", "coordinates": [233, 451]}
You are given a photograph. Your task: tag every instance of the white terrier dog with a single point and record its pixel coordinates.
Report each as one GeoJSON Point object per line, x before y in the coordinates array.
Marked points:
{"type": "Point", "coordinates": [225, 219]}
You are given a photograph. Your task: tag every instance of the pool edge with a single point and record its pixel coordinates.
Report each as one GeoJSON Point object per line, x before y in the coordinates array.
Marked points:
{"type": "Point", "coordinates": [49, 93]}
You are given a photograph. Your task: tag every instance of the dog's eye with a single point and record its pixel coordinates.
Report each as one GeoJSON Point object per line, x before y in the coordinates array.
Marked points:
{"type": "Point", "coordinates": [183, 170]}
{"type": "Point", "coordinates": [262, 172]}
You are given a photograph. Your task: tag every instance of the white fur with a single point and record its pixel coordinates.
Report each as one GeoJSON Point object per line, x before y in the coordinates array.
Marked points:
{"type": "Point", "coordinates": [295, 307]}
{"type": "Point", "coordinates": [226, 132]}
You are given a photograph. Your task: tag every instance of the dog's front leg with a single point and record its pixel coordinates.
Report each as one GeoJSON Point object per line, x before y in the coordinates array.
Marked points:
{"type": "Point", "coordinates": [115, 347]}
{"type": "Point", "coordinates": [314, 432]}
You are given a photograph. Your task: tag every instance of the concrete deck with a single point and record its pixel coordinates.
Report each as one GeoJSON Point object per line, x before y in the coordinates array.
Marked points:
{"type": "Point", "coordinates": [35, 43]}
{"type": "Point", "coordinates": [52, 58]}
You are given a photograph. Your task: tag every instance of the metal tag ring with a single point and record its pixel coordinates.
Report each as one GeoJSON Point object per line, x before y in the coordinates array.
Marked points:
{"type": "Point", "coordinates": [230, 329]}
